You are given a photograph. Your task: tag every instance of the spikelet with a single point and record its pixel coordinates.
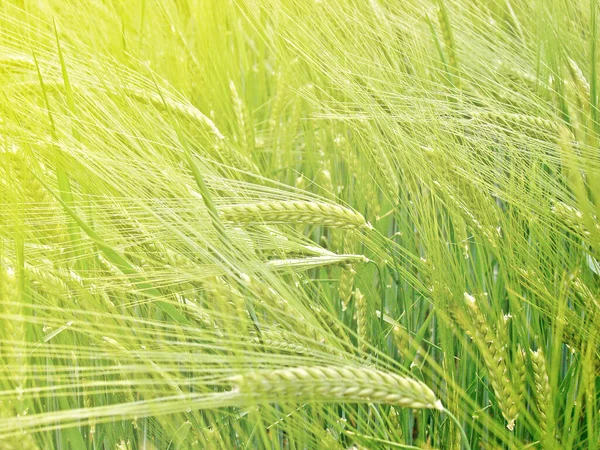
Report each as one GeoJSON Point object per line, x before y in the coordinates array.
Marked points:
{"type": "Point", "coordinates": [335, 384]}
{"type": "Point", "coordinates": [165, 103]}
{"type": "Point", "coordinates": [361, 320]}
{"type": "Point", "coordinates": [543, 398]}
{"type": "Point", "coordinates": [494, 356]}
{"type": "Point", "coordinates": [374, 202]}
{"type": "Point", "coordinates": [294, 212]}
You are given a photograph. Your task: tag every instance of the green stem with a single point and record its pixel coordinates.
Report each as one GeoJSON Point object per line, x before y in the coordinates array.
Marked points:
{"type": "Point", "coordinates": [465, 439]}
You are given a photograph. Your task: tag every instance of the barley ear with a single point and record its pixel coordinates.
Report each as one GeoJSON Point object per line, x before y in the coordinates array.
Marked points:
{"type": "Point", "coordinates": [494, 355]}
{"type": "Point", "coordinates": [294, 211]}
{"type": "Point", "coordinates": [361, 320]}
{"type": "Point", "coordinates": [335, 384]}
{"type": "Point", "coordinates": [543, 398]}
{"type": "Point", "coordinates": [346, 285]}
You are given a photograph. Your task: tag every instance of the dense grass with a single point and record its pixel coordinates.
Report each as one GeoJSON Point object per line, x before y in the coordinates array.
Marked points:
{"type": "Point", "coordinates": [299, 224]}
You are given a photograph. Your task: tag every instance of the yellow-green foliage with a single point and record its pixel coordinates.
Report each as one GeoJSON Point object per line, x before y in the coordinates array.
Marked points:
{"type": "Point", "coordinates": [251, 224]}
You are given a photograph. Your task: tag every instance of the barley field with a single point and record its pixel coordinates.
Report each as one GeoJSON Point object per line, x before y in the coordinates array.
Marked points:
{"type": "Point", "coordinates": [299, 224]}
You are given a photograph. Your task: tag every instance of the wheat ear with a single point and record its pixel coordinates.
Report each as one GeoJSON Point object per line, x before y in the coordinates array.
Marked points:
{"type": "Point", "coordinates": [494, 356]}
{"type": "Point", "coordinates": [448, 36]}
{"type": "Point", "coordinates": [361, 320]}
{"type": "Point", "coordinates": [520, 373]}
{"type": "Point", "coordinates": [582, 84]}
{"type": "Point", "coordinates": [346, 285]}
{"type": "Point", "coordinates": [244, 124]}
{"type": "Point", "coordinates": [543, 398]}
{"type": "Point", "coordinates": [336, 384]}
{"type": "Point", "coordinates": [294, 212]}
{"type": "Point", "coordinates": [14, 326]}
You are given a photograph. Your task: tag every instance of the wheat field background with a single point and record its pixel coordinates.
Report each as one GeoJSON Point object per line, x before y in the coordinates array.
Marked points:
{"type": "Point", "coordinates": [299, 224]}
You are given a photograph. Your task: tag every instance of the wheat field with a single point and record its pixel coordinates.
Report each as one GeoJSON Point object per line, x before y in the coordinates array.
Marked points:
{"type": "Point", "coordinates": [299, 224]}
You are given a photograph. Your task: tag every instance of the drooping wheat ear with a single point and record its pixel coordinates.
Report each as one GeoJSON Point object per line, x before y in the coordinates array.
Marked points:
{"type": "Point", "coordinates": [284, 346]}
{"type": "Point", "coordinates": [164, 102]}
{"type": "Point", "coordinates": [335, 384]}
{"type": "Point", "coordinates": [316, 261]}
{"type": "Point", "coordinates": [161, 102]}
{"type": "Point", "coordinates": [343, 240]}
{"type": "Point", "coordinates": [294, 212]}
{"type": "Point", "coordinates": [346, 285]}
{"type": "Point", "coordinates": [532, 125]}
{"type": "Point", "coordinates": [361, 320]}
{"type": "Point", "coordinates": [490, 233]}
{"type": "Point", "coordinates": [194, 115]}
{"type": "Point", "coordinates": [543, 398]}
{"type": "Point", "coordinates": [494, 355]}
{"type": "Point", "coordinates": [245, 130]}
